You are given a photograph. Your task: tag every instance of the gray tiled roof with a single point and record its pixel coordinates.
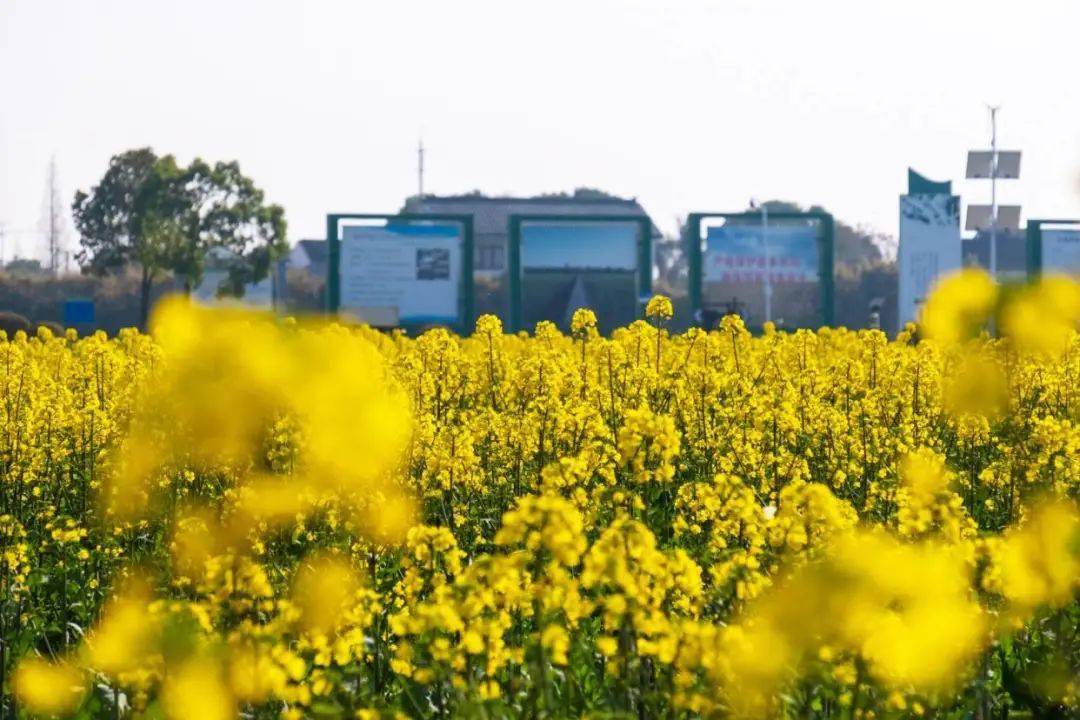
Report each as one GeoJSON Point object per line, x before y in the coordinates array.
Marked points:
{"type": "Point", "coordinates": [491, 214]}
{"type": "Point", "coordinates": [315, 249]}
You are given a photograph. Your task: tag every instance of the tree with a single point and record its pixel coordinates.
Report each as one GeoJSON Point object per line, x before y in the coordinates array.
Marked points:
{"type": "Point", "coordinates": [221, 214]}
{"type": "Point", "coordinates": [118, 219]}
{"type": "Point", "coordinates": [855, 246]}
{"type": "Point", "coordinates": [24, 267]}
{"type": "Point", "coordinates": [151, 213]}
{"type": "Point", "coordinates": [583, 193]}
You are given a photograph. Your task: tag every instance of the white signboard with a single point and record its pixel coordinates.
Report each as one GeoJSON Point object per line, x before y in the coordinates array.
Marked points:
{"type": "Point", "coordinates": [1061, 252]}
{"type": "Point", "coordinates": [401, 274]}
{"type": "Point", "coordinates": [929, 248]}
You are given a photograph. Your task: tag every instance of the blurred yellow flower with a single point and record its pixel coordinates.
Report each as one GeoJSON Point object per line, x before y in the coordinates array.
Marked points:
{"type": "Point", "coordinates": [46, 688]}
{"type": "Point", "coordinates": [324, 590]}
{"type": "Point", "coordinates": [126, 634]}
{"type": "Point", "coordinates": [959, 306]}
{"type": "Point", "coordinates": [1039, 563]}
{"type": "Point", "coordinates": [353, 419]}
{"type": "Point", "coordinates": [197, 689]}
{"type": "Point", "coordinates": [1043, 317]}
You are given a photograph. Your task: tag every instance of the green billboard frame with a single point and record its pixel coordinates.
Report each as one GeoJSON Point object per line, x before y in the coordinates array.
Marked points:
{"type": "Point", "coordinates": [333, 265]}
{"type": "Point", "coordinates": [826, 240]}
{"type": "Point", "coordinates": [644, 254]}
{"type": "Point", "coordinates": [1034, 239]}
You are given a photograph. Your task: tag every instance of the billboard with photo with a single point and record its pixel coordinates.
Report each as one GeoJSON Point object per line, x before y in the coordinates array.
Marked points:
{"type": "Point", "coordinates": [929, 248]}
{"type": "Point", "coordinates": [742, 257]}
{"type": "Point", "coordinates": [400, 271]}
{"type": "Point", "coordinates": [401, 274]}
{"type": "Point", "coordinates": [559, 265]}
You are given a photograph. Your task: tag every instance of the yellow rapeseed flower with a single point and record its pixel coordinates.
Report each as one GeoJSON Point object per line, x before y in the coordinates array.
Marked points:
{"type": "Point", "coordinates": [659, 308]}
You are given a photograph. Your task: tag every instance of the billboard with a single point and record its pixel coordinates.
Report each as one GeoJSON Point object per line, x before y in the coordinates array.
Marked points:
{"type": "Point", "coordinates": [1061, 251]}
{"type": "Point", "coordinates": [561, 264]}
{"type": "Point", "coordinates": [401, 273]}
{"type": "Point", "coordinates": [746, 256]}
{"type": "Point", "coordinates": [929, 248]}
{"type": "Point", "coordinates": [741, 253]}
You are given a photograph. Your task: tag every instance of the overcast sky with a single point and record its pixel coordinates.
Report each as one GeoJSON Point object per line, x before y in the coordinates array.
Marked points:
{"type": "Point", "coordinates": [685, 104]}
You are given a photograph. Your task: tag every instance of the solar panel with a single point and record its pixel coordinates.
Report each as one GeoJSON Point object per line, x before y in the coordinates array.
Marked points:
{"type": "Point", "coordinates": [979, 217]}
{"type": "Point", "coordinates": [979, 164]}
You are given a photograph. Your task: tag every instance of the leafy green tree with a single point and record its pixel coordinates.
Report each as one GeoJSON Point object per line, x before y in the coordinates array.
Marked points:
{"type": "Point", "coordinates": [221, 214]}
{"type": "Point", "coordinates": [150, 213]}
{"type": "Point", "coordinates": [122, 220]}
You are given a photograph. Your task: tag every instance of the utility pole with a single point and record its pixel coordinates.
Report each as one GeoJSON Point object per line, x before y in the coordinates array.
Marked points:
{"type": "Point", "coordinates": [768, 270]}
{"type": "Point", "coordinates": [765, 251]}
{"type": "Point", "coordinates": [993, 191]}
{"type": "Point", "coordinates": [993, 165]}
{"type": "Point", "coordinates": [54, 221]}
{"type": "Point", "coordinates": [420, 167]}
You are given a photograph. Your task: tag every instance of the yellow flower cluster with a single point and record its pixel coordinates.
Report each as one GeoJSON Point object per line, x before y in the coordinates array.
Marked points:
{"type": "Point", "coordinates": [238, 515]}
{"type": "Point", "coordinates": [660, 308]}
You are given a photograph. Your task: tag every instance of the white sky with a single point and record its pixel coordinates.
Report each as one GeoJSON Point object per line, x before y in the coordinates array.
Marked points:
{"type": "Point", "coordinates": [686, 104]}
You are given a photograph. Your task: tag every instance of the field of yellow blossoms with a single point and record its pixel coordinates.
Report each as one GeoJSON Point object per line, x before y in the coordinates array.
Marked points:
{"type": "Point", "coordinates": [240, 516]}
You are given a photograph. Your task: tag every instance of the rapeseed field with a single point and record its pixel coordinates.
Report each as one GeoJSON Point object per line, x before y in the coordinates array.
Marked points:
{"type": "Point", "coordinates": [241, 516]}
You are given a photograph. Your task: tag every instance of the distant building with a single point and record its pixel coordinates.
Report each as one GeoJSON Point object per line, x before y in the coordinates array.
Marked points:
{"type": "Point", "coordinates": [1011, 253]}
{"type": "Point", "coordinates": [491, 216]}
{"type": "Point", "coordinates": [262, 294]}
{"type": "Point", "coordinates": [309, 255]}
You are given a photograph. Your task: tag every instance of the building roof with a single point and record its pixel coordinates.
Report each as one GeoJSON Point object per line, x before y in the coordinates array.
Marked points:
{"type": "Point", "coordinates": [492, 214]}
{"type": "Point", "coordinates": [919, 184]}
{"type": "Point", "coordinates": [576, 199]}
{"type": "Point", "coordinates": [314, 249]}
